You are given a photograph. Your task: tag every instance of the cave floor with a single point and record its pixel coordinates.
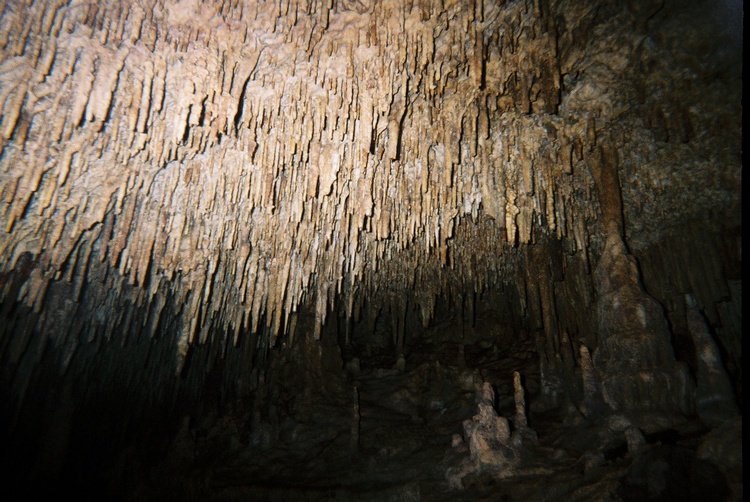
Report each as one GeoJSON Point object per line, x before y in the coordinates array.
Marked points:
{"type": "Point", "coordinates": [408, 420]}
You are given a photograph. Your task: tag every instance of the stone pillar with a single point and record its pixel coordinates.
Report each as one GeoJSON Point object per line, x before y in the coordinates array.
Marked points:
{"type": "Point", "coordinates": [714, 397]}
{"type": "Point", "coordinates": [634, 358]}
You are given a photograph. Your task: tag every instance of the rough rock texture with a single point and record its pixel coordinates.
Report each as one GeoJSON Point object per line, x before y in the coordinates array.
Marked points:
{"type": "Point", "coordinates": [492, 448]}
{"type": "Point", "coordinates": [714, 399]}
{"type": "Point", "coordinates": [239, 237]}
{"type": "Point", "coordinates": [489, 435]}
{"type": "Point", "coordinates": [635, 357]}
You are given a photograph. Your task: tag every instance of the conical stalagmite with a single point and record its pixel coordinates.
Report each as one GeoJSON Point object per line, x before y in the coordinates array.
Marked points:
{"type": "Point", "coordinates": [714, 397]}
{"type": "Point", "coordinates": [634, 358]}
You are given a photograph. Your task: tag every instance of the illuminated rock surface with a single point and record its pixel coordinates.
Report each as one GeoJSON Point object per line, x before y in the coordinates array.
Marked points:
{"type": "Point", "coordinates": [274, 250]}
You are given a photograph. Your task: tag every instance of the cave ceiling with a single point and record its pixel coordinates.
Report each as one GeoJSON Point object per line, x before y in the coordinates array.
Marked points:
{"type": "Point", "coordinates": [257, 158]}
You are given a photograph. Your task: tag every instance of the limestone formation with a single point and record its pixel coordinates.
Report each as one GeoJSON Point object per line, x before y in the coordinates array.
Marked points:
{"type": "Point", "coordinates": [356, 418]}
{"type": "Point", "coordinates": [635, 440]}
{"type": "Point", "coordinates": [592, 403]}
{"type": "Point", "coordinates": [714, 399]}
{"type": "Point", "coordinates": [520, 399]}
{"type": "Point", "coordinates": [635, 356]}
{"type": "Point", "coordinates": [240, 210]}
{"type": "Point", "coordinates": [493, 449]}
{"type": "Point", "coordinates": [489, 440]}
{"type": "Point", "coordinates": [251, 160]}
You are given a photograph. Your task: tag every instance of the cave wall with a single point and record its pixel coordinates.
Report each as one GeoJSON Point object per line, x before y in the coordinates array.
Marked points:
{"type": "Point", "coordinates": [189, 189]}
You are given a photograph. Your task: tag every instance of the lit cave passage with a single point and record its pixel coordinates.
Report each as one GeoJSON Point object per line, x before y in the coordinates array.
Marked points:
{"type": "Point", "coordinates": [371, 250]}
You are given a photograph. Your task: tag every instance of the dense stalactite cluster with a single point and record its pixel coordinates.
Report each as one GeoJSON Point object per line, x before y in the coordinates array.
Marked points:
{"type": "Point", "coordinates": [263, 155]}
{"type": "Point", "coordinates": [249, 150]}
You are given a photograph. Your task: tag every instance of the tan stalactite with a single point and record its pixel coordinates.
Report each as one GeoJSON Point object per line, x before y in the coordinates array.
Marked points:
{"type": "Point", "coordinates": [262, 155]}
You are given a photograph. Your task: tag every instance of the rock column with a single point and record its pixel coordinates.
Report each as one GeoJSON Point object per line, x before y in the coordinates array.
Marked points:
{"type": "Point", "coordinates": [635, 358]}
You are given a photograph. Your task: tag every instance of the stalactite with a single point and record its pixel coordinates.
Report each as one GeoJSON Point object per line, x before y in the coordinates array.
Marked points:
{"type": "Point", "coordinates": [146, 86]}
{"type": "Point", "coordinates": [260, 159]}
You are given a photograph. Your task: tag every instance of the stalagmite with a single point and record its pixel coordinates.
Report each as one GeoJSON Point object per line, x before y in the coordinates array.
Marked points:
{"type": "Point", "coordinates": [520, 400]}
{"type": "Point", "coordinates": [714, 398]}
{"type": "Point", "coordinates": [592, 399]}
{"type": "Point", "coordinates": [635, 440]}
{"type": "Point", "coordinates": [461, 357]}
{"type": "Point", "coordinates": [493, 449]}
{"type": "Point", "coordinates": [488, 436]}
{"type": "Point", "coordinates": [634, 356]}
{"type": "Point", "coordinates": [356, 418]}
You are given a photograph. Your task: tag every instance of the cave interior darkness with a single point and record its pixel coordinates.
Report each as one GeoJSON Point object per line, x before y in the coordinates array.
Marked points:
{"type": "Point", "coordinates": [389, 250]}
